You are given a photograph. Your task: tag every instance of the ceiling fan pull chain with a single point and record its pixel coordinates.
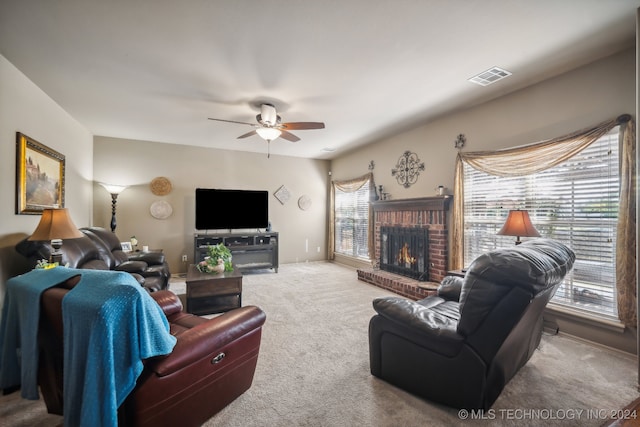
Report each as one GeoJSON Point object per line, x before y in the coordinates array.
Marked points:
{"type": "Point", "coordinates": [268, 148]}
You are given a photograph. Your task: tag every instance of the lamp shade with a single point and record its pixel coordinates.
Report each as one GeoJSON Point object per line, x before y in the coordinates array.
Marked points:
{"type": "Point", "coordinates": [55, 224]}
{"type": "Point", "coordinates": [518, 224]}
{"type": "Point", "coordinates": [268, 133]}
{"type": "Point", "coordinates": [114, 189]}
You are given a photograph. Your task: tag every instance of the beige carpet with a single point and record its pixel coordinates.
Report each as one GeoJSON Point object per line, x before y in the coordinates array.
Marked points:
{"type": "Point", "coordinates": [313, 368]}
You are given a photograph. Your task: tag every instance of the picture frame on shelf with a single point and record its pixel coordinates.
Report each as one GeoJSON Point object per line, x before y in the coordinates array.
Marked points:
{"type": "Point", "coordinates": [40, 174]}
{"type": "Point", "coordinates": [126, 246]}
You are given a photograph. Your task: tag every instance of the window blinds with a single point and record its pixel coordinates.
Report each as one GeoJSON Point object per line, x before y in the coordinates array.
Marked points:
{"type": "Point", "coordinates": [575, 202]}
{"type": "Point", "coordinates": [352, 222]}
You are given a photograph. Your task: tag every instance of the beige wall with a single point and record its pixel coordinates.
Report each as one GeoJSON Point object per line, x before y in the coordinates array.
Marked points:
{"type": "Point", "coordinates": [552, 108]}
{"type": "Point", "coordinates": [572, 101]}
{"type": "Point", "coordinates": [136, 163]}
{"type": "Point", "coordinates": [25, 108]}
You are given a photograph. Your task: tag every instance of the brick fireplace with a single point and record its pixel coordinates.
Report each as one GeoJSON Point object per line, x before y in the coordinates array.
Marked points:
{"type": "Point", "coordinates": [405, 251]}
{"type": "Point", "coordinates": [428, 213]}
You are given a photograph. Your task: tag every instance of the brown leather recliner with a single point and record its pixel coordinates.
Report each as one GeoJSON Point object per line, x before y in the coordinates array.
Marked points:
{"type": "Point", "coordinates": [212, 363]}
{"type": "Point", "coordinates": [461, 347]}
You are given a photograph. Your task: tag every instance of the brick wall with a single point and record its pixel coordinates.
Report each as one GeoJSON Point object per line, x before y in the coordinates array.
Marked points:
{"type": "Point", "coordinates": [426, 212]}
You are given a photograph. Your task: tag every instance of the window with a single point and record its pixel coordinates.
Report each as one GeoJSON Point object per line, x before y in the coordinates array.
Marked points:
{"type": "Point", "coordinates": [575, 202]}
{"type": "Point", "coordinates": [352, 222]}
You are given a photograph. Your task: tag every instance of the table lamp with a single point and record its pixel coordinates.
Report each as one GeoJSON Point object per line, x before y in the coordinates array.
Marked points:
{"type": "Point", "coordinates": [56, 225]}
{"type": "Point", "coordinates": [518, 224]}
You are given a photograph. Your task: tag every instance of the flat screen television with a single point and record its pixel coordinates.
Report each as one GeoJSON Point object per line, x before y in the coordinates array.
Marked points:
{"type": "Point", "coordinates": [218, 209]}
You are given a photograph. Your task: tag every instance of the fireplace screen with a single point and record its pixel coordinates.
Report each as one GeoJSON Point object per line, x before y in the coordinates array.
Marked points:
{"type": "Point", "coordinates": [405, 251]}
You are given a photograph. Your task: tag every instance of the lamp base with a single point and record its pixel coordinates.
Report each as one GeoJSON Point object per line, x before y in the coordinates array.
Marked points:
{"type": "Point", "coordinates": [56, 254]}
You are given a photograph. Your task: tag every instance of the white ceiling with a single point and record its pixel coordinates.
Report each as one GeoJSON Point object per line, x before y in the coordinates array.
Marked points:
{"type": "Point", "coordinates": [157, 69]}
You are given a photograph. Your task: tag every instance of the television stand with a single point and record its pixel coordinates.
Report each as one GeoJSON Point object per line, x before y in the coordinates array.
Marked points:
{"type": "Point", "coordinates": [249, 251]}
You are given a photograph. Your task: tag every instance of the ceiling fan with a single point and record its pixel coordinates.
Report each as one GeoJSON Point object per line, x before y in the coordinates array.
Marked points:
{"type": "Point", "coordinates": [270, 126]}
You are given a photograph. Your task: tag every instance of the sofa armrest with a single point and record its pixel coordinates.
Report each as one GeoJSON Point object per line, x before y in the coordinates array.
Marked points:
{"type": "Point", "coordinates": [423, 325]}
{"type": "Point", "coordinates": [155, 271]}
{"type": "Point", "coordinates": [138, 278]}
{"type": "Point", "coordinates": [206, 339]}
{"type": "Point", "coordinates": [168, 302]}
{"type": "Point", "coordinates": [450, 288]}
{"type": "Point", "coordinates": [151, 258]}
{"type": "Point", "coordinates": [132, 267]}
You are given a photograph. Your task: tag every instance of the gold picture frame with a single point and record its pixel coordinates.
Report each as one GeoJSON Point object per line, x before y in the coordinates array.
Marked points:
{"type": "Point", "coordinates": [39, 176]}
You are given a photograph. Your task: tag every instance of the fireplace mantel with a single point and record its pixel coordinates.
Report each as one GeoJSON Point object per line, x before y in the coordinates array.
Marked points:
{"type": "Point", "coordinates": [436, 203]}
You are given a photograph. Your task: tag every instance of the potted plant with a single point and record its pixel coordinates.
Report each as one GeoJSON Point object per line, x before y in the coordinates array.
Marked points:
{"type": "Point", "coordinates": [217, 261]}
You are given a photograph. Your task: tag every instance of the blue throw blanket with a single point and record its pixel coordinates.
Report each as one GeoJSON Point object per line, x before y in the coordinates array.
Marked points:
{"type": "Point", "coordinates": [19, 328]}
{"type": "Point", "coordinates": [110, 325]}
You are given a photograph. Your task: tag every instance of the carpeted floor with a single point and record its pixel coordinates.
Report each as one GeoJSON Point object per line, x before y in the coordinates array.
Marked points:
{"type": "Point", "coordinates": [313, 368]}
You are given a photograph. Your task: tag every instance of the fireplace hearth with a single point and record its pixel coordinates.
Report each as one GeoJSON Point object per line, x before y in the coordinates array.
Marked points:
{"type": "Point", "coordinates": [405, 251]}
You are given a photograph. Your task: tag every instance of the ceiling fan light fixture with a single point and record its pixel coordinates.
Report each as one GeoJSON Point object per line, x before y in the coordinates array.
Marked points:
{"type": "Point", "coordinates": [268, 134]}
{"type": "Point", "coordinates": [268, 114]}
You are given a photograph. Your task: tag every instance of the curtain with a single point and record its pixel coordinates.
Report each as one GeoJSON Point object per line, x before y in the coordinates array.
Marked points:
{"type": "Point", "coordinates": [350, 186]}
{"type": "Point", "coordinates": [536, 157]}
{"type": "Point", "coordinates": [626, 234]}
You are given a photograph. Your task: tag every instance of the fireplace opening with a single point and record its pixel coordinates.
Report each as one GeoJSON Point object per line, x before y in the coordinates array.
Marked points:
{"type": "Point", "coordinates": [405, 251]}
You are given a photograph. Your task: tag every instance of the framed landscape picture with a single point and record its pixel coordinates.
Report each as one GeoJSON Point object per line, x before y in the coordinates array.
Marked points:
{"type": "Point", "coordinates": [39, 176]}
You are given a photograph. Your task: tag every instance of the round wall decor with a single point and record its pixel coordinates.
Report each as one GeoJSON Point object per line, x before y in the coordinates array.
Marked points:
{"type": "Point", "coordinates": [160, 186]}
{"type": "Point", "coordinates": [161, 209]}
{"type": "Point", "coordinates": [304, 202]}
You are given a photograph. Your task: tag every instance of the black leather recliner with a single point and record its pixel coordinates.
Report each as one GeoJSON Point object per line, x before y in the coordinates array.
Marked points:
{"type": "Point", "coordinates": [100, 249]}
{"type": "Point", "coordinates": [461, 347]}
{"type": "Point", "coordinates": [150, 265]}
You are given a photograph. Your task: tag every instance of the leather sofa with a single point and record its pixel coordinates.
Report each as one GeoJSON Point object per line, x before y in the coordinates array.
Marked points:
{"type": "Point", "coordinates": [212, 363]}
{"type": "Point", "coordinates": [100, 249]}
{"type": "Point", "coordinates": [463, 345]}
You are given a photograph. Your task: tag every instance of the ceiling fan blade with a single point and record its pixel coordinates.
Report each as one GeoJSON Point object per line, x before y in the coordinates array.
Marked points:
{"type": "Point", "coordinates": [302, 125]}
{"type": "Point", "coordinates": [248, 134]}
{"type": "Point", "coordinates": [233, 121]}
{"type": "Point", "coordinates": [289, 136]}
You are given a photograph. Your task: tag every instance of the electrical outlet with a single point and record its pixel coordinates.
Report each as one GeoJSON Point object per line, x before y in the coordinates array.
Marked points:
{"type": "Point", "coordinates": [184, 258]}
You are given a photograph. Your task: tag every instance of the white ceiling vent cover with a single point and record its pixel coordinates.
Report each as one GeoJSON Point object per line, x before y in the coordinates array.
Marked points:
{"type": "Point", "coordinates": [492, 75]}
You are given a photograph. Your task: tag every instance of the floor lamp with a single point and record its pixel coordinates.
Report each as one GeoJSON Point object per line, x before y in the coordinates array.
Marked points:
{"type": "Point", "coordinates": [114, 190]}
{"type": "Point", "coordinates": [518, 224]}
{"type": "Point", "coordinates": [55, 225]}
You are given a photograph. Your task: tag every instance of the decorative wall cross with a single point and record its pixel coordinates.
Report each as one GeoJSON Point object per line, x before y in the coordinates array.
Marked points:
{"type": "Point", "coordinates": [407, 169]}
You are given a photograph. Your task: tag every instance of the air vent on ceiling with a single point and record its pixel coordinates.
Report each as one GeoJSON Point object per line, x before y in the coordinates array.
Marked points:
{"type": "Point", "coordinates": [492, 75]}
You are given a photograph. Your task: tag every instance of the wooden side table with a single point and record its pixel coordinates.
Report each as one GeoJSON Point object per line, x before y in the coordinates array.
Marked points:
{"type": "Point", "coordinates": [213, 293]}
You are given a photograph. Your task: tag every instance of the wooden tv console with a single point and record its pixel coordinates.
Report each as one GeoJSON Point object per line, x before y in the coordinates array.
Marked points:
{"type": "Point", "coordinates": [249, 251]}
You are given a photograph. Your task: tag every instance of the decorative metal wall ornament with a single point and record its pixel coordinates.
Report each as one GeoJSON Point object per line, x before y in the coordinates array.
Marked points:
{"type": "Point", "coordinates": [372, 165]}
{"type": "Point", "coordinates": [460, 140]}
{"type": "Point", "coordinates": [407, 169]}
